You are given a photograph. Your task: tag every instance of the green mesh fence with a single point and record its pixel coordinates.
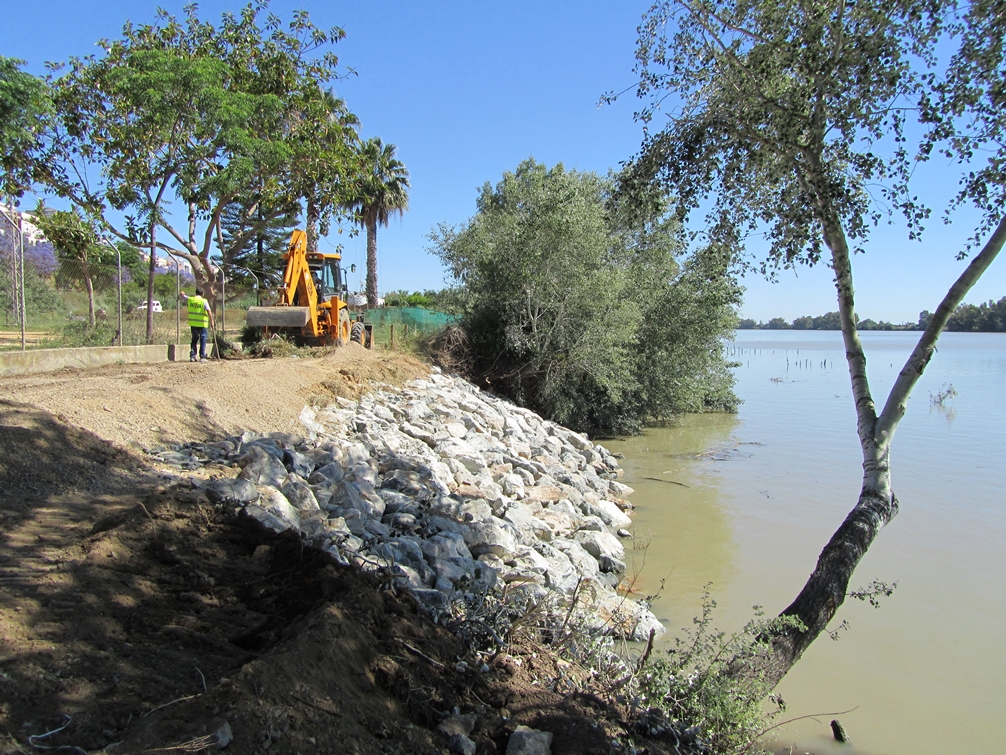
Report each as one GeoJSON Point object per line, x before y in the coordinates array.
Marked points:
{"type": "Point", "coordinates": [405, 321]}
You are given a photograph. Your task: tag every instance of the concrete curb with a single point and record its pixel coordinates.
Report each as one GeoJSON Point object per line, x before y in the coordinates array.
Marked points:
{"type": "Point", "coordinates": [48, 360]}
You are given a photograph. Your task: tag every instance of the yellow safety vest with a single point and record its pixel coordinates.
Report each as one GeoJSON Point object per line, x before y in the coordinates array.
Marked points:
{"type": "Point", "coordinates": [199, 316]}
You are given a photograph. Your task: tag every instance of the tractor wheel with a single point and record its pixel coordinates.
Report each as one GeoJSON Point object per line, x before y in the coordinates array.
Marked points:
{"type": "Point", "coordinates": [343, 333]}
{"type": "Point", "coordinates": [358, 333]}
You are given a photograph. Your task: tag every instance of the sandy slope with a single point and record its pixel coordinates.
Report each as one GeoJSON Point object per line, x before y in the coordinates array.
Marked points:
{"type": "Point", "coordinates": [150, 618]}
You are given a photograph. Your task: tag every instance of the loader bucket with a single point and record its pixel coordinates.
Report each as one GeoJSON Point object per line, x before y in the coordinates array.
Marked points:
{"type": "Point", "coordinates": [278, 317]}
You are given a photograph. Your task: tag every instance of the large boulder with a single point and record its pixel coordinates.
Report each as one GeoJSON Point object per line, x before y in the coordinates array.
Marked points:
{"type": "Point", "coordinates": [528, 741]}
{"type": "Point", "coordinates": [491, 535]}
{"type": "Point", "coordinates": [227, 490]}
{"type": "Point", "coordinates": [261, 467]}
{"type": "Point", "coordinates": [444, 545]}
{"type": "Point", "coordinates": [300, 495]}
{"type": "Point", "coordinates": [466, 574]}
{"type": "Point", "coordinates": [600, 544]}
{"type": "Point", "coordinates": [274, 501]}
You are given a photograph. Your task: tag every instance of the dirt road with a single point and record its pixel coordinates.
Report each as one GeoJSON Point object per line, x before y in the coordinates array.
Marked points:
{"type": "Point", "coordinates": [146, 405]}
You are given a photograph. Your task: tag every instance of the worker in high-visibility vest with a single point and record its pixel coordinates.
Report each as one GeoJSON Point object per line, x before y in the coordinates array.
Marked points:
{"type": "Point", "coordinates": [200, 318]}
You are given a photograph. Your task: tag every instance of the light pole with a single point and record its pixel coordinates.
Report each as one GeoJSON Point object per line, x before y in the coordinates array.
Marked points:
{"type": "Point", "coordinates": [252, 274]}
{"type": "Point", "coordinates": [178, 298]}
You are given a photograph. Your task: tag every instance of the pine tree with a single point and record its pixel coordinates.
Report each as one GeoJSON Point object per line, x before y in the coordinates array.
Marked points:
{"type": "Point", "coordinates": [262, 252]}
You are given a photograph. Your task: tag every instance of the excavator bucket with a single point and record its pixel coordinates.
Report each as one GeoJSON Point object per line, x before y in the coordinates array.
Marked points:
{"type": "Point", "coordinates": [278, 317]}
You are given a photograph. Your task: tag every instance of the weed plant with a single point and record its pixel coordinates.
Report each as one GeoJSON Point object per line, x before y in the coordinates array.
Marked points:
{"type": "Point", "coordinates": [705, 691]}
{"type": "Point", "coordinates": [76, 334]}
{"type": "Point", "coordinates": [275, 346]}
{"type": "Point", "coordinates": [700, 696]}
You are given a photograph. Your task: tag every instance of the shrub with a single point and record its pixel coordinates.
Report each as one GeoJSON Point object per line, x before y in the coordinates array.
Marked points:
{"type": "Point", "coordinates": [588, 316]}
{"type": "Point", "coordinates": [701, 690]}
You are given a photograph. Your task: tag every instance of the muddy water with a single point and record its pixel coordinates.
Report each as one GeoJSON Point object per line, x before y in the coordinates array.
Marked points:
{"type": "Point", "coordinates": [746, 502]}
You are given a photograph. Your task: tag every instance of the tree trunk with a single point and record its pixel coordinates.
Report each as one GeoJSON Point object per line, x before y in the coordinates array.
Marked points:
{"type": "Point", "coordinates": [371, 219]}
{"type": "Point", "coordinates": [828, 585]}
{"type": "Point", "coordinates": [313, 218]}
{"type": "Point", "coordinates": [89, 287]}
{"type": "Point", "coordinates": [260, 253]}
{"type": "Point", "coordinates": [150, 284]}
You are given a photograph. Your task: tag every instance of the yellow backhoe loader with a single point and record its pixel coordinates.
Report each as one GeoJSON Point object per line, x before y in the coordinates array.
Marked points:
{"type": "Point", "coordinates": [312, 304]}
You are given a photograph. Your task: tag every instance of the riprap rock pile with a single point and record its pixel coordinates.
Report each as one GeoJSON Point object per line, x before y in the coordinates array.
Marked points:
{"type": "Point", "coordinates": [448, 488]}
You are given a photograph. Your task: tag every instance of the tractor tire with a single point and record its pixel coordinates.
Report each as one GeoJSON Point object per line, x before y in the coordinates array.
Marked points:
{"type": "Point", "coordinates": [358, 333]}
{"type": "Point", "coordinates": [343, 333]}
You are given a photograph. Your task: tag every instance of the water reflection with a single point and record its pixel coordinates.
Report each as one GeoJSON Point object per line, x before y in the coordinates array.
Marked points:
{"type": "Point", "coordinates": [673, 471]}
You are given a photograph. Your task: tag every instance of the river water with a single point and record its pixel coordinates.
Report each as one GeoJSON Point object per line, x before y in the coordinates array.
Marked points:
{"type": "Point", "coordinates": [747, 501]}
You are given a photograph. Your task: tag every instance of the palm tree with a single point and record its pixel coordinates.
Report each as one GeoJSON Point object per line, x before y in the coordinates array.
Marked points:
{"type": "Point", "coordinates": [382, 192]}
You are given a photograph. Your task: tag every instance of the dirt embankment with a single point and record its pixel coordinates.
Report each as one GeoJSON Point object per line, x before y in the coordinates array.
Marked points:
{"type": "Point", "coordinates": [140, 618]}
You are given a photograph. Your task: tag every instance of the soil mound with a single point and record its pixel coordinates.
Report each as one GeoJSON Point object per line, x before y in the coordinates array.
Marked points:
{"type": "Point", "coordinates": [137, 617]}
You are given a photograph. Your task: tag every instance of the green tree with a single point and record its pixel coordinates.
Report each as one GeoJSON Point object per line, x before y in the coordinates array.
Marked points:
{"type": "Point", "coordinates": [381, 191]}
{"type": "Point", "coordinates": [261, 253]}
{"type": "Point", "coordinates": [330, 131]}
{"type": "Point", "coordinates": [574, 314]}
{"type": "Point", "coordinates": [201, 114]}
{"type": "Point", "coordinates": [404, 299]}
{"type": "Point", "coordinates": [39, 296]}
{"type": "Point", "coordinates": [76, 242]}
{"type": "Point", "coordinates": [783, 113]}
{"type": "Point", "coordinates": [828, 321]}
{"type": "Point", "coordinates": [25, 106]}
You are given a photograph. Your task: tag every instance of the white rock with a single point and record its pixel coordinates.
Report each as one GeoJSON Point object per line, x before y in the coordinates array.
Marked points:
{"type": "Point", "coordinates": [267, 518]}
{"type": "Point", "coordinates": [612, 515]}
{"type": "Point", "coordinates": [457, 571]}
{"type": "Point", "coordinates": [418, 433]}
{"type": "Point", "coordinates": [600, 544]}
{"type": "Point", "coordinates": [444, 545]}
{"type": "Point", "coordinates": [492, 535]}
{"type": "Point", "coordinates": [274, 501]}
{"type": "Point", "coordinates": [583, 562]}
{"type": "Point", "coordinates": [308, 418]}
{"type": "Point", "coordinates": [561, 574]}
{"type": "Point", "coordinates": [456, 429]}
{"type": "Point", "coordinates": [619, 489]}
{"type": "Point", "coordinates": [527, 741]}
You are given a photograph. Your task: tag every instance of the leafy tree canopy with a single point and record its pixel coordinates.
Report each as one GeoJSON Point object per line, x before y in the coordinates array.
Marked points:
{"type": "Point", "coordinates": [776, 112]}
{"type": "Point", "coordinates": [73, 236]}
{"type": "Point", "coordinates": [577, 315]}
{"type": "Point", "coordinates": [206, 115]}
{"type": "Point", "coordinates": [380, 191]}
{"type": "Point", "coordinates": [24, 107]}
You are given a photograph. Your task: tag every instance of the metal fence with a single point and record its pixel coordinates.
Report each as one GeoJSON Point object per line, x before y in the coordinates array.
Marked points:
{"type": "Point", "coordinates": [51, 302]}
{"type": "Point", "coordinates": [48, 301]}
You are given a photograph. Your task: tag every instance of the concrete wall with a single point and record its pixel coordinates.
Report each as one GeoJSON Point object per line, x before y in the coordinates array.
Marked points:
{"type": "Point", "coordinates": [47, 360]}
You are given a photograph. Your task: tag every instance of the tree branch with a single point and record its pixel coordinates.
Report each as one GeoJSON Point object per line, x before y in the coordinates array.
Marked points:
{"type": "Point", "coordinates": [897, 400]}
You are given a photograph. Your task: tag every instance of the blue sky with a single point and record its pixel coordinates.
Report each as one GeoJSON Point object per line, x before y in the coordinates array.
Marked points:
{"type": "Point", "coordinates": [466, 90]}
